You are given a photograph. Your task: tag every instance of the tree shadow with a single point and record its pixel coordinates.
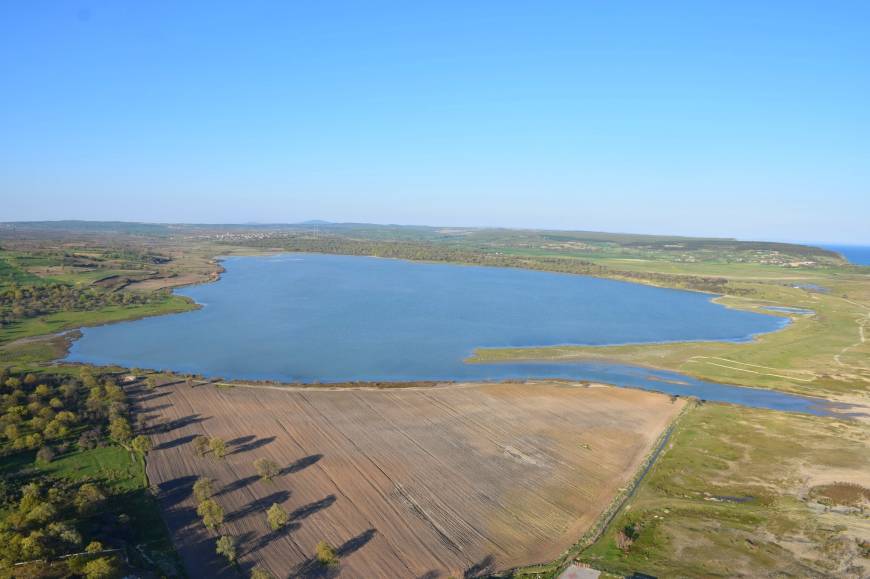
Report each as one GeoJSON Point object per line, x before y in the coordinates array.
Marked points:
{"type": "Point", "coordinates": [356, 543]}
{"type": "Point", "coordinates": [252, 445]}
{"type": "Point", "coordinates": [300, 464]}
{"type": "Point", "coordinates": [269, 537]}
{"type": "Point", "coordinates": [482, 568]}
{"type": "Point", "coordinates": [430, 575]}
{"type": "Point", "coordinates": [313, 569]}
{"type": "Point", "coordinates": [306, 511]}
{"type": "Point", "coordinates": [258, 505]}
{"type": "Point", "coordinates": [237, 484]}
{"type": "Point", "coordinates": [176, 424]}
{"type": "Point", "coordinates": [177, 442]}
{"type": "Point", "coordinates": [240, 440]}
{"type": "Point", "coordinates": [174, 491]}
{"type": "Point", "coordinates": [153, 396]}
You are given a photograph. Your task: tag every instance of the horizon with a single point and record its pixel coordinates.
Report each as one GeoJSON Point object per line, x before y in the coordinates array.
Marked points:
{"type": "Point", "coordinates": [738, 121]}
{"type": "Point", "coordinates": [317, 221]}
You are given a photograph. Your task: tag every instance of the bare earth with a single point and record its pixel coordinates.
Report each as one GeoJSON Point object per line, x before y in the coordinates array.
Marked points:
{"type": "Point", "coordinates": [466, 478]}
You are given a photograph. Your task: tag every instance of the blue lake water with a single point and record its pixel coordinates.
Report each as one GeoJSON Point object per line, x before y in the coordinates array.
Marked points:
{"type": "Point", "coordinates": [324, 318]}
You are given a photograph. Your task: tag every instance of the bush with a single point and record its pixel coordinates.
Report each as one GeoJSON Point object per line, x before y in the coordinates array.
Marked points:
{"type": "Point", "coordinates": [45, 455]}
{"type": "Point", "coordinates": [203, 489]}
{"type": "Point", "coordinates": [226, 546]}
{"type": "Point", "coordinates": [276, 517]}
{"type": "Point", "coordinates": [267, 469]}
{"type": "Point", "coordinates": [326, 554]}
{"type": "Point", "coordinates": [260, 573]}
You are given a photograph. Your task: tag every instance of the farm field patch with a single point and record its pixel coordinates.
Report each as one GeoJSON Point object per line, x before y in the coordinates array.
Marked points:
{"type": "Point", "coordinates": [467, 478]}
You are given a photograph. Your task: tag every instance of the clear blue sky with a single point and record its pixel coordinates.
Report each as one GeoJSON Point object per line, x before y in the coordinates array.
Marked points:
{"type": "Point", "coordinates": [747, 119]}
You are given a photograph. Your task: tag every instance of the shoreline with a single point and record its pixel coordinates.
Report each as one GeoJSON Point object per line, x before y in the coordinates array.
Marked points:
{"type": "Point", "coordinates": [219, 269]}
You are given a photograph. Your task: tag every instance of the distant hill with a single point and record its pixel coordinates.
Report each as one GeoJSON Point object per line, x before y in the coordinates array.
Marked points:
{"type": "Point", "coordinates": [526, 241]}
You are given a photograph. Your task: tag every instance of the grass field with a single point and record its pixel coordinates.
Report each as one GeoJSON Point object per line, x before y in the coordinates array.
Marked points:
{"type": "Point", "coordinates": [61, 321]}
{"type": "Point", "coordinates": [405, 482]}
{"type": "Point", "coordinates": [733, 495]}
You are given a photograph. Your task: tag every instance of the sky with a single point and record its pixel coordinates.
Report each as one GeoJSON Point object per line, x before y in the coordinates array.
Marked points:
{"type": "Point", "coordinates": [737, 119]}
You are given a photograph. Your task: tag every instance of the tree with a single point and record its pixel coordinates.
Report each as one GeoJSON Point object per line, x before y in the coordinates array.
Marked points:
{"type": "Point", "coordinates": [276, 517]}
{"type": "Point", "coordinates": [11, 432]}
{"type": "Point", "coordinates": [142, 444]}
{"type": "Point", "coordinates": [100, 568]}
{"type": "Point", "coordinates": [150, 383]}
{"type": "Point", "coordinates": [45, 455]}
{"type": "Point", "coordinates": [211, 513]}
{"type": "Point", "coordinates": [88, 498]}
{"type": "Point", "coordinates": [89, 439]}
{"type": "Point", "coordinates": [120, 431]}
{"type": "Point", "coordinates": [260, 573]}
{"type": "Point", "coordinates": [326, 555]}
{"type": "Point", "coordinates": [203, 489]}
{"type": "Point", "coordinates": [218, 447]}
{"type": "Point", "coordinates": [267, 469]}
{"type": "Point", "coordinates": [200, 445]}
{"type": "Point", "coordinates": [226, 546]}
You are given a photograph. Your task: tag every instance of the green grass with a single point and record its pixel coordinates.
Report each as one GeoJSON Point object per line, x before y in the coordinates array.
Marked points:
{"type": "Point", "coordinates": [10, 273]}
{"type": "Point", "coordinates": [117, 468]}
{"type": "Point", "coordinates": [67, 320]}
{"type": "Point", "coordinates": [91, 276]}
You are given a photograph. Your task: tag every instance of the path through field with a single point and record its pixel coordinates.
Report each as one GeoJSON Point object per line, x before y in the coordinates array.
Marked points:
{"type": "Point", "coordinates": [462, 479]}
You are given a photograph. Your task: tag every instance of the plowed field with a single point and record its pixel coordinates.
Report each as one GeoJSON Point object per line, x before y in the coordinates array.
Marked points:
{"type": "Point", "coordinates": [428, 482]}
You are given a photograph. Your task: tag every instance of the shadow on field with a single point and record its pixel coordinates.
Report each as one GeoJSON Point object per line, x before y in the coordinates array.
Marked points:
{"type": "Point", "coordinates": [312, 569]}
{"type": "Point", "coordinates": [177, 442]}
{"type": "Point", "coordinates": [238, 484]}
{"type": "Point", "coordinates": [176, 490]}
{"type": "Point", "coordinates": [176, 424]}
{"type": "Point", "coordinates": [306, 511]}
{"type": "Point", "coordinates": [259, 505]}
{"type": "Point", "coordinates": [154, 396]}
{"type": "Point", "coordinates": [301, 464]}
{"type": "Point", "coordinates": [252, 445]}
{"type": "Point", "coordinates": [482, 568]}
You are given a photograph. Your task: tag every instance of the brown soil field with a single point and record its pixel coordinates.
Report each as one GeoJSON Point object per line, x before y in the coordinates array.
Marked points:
{"type": "Point", "coordinates": [464, 479]}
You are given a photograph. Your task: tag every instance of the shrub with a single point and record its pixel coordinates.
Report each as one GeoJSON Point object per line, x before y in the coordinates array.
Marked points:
{"type": "Point", "coordinates": [218, 447]}
{"type": "Point", "coordinates": [226, 546]}
{"type": "Point", "coordinates": [276, 517]}
{"type": "Point", "coordinates": [326, 555]}
{"type": "Point", "coordinates": [200, 445]}
{"type": "Point", "coordinates": [45, 455]}
{"type": "Point", "coordinates": [260, 573]}
{"type": "Point", "coordinates": [267, 469]}
{"type": "Point", "coordinates": [211, 513]}
{"type": "Point", "coordinates": [203, 489]}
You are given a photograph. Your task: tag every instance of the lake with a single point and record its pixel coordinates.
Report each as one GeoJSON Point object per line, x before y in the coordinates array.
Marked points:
{"type": "Point", "coordinates": [327, 318]}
